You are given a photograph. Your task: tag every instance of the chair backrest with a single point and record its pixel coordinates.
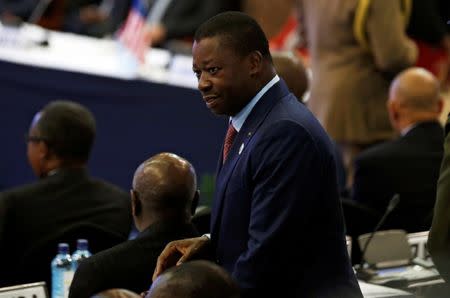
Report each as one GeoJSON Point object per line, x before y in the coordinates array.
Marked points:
{"type": "Point", "coordinates": [387, 248]}
{"type": "Point", "coordinates": [35, 264]}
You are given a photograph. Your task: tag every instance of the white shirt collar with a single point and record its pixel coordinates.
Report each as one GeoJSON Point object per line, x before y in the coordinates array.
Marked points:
{"type": "Point", "coordinates": [239, 119]}
{"type": "Point", "coordinates": [407, 129]}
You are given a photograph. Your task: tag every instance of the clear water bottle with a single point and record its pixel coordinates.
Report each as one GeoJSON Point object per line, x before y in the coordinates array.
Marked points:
{"type": "Point", "coordinates": [80, 254]}
{"type": "Point", "coordinates": [62, 273]}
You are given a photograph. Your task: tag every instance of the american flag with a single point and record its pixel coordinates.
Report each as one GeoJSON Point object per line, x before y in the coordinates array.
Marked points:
{"type": "Point", "coordinates": [132, 33]}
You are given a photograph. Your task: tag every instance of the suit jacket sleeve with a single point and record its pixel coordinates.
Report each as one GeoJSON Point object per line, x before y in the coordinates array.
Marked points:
{"type": "Point", "coordinates": [389, 45]}
{"type": "Point", "coordinates": [4, 206]}
{"type": "Point", "coordinates": [86, 281]}
{"type": "Point", "coordinates": [286, 168]}
{"type": "Point", "coordinates": [439, 238]}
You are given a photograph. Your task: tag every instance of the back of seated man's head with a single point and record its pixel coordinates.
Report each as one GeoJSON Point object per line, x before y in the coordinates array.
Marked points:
{"type": "Point", "coordinates": [414, 97]}
{"type": "Point", "coordinates": [196, 279]}
{"type": "Point", "coordinates": [60, 135]}
{"type": "Point", "coordinates": [291, 69]}
{"type": "Point", "coordinates": [116, 293]}
{"type": "Point", "coordinates": [164, 188]}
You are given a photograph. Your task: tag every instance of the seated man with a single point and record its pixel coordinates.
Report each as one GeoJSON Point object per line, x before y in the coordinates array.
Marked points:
{"type": "Point", "coordinates": [196, 279]}
{"type": "Point", "coordinates": [59, 143]}
{"type": "Point", "coordinates": [409, 165]}
{"type": "Point", "coordinates": [164, 189]}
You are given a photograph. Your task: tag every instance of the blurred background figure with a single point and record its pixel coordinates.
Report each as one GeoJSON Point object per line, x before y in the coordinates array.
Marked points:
{"type": "Point", "coordinates": [170, 20]}
{"type": "Point", "coordinates": [408, 165]}
{"type": "Point", "coordinates": [196, 279]}
{"type": "Point", "coordinates": [95, 17]}
{"type": "Point", "coordinates": [17, 11]}
{"type": "Point", "coordinates": [428, 27]}
{"type": "Point", "coordinates": [292, 70]}
{"type": "Point", "coordinates": [351, 73]}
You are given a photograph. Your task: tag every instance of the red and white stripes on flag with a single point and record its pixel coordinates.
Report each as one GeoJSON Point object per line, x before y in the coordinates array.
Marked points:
{"type": "Point", "coordinates": [132, 33]}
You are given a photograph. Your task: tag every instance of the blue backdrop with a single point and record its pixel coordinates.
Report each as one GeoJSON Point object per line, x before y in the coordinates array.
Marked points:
{"type": "Point", "coordinates": [135, 119]}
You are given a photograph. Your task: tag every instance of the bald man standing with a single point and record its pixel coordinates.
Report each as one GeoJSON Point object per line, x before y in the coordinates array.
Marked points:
{"type": "Point", "coordinates": [162, 199]}
{"type": "Point", "coordinates": [409, 165]}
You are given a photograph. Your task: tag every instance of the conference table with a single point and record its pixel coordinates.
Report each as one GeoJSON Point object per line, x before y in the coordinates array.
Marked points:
{"type": "Point", "coordinates": [140, 110]}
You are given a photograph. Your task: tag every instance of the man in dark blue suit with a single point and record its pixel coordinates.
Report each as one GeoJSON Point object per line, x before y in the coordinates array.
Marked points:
{"type": "Point", "coordinates": [276, 207]}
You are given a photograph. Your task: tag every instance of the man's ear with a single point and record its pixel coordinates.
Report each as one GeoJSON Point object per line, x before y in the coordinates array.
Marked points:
{"type": "Point", "coordinates": [195, 201]}
{"type": "Point", "coordinates": [255, 59]}
{"type": "Point", "coordinates": [136, 205]}
{"type": "Point", "coordinates": [44, 151]}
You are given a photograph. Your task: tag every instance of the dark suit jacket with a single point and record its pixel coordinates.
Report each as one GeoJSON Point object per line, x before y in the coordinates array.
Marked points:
{"type": "Point", "coordinates": [129, 265]}
{"type": "Point", "coordinates": [276, 220]}
{"type": "Point", "coordinates": [408, 166]}
{"type": "Point", "coordinates": [32, 212]}
{"type": "Point", "coordinates": [428, 20]}
{"type": "Point", "coordinates": [439, 238]}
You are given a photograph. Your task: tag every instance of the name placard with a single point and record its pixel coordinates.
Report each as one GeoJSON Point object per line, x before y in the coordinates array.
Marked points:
{"type": "Point", "coordinates": [34, 290]}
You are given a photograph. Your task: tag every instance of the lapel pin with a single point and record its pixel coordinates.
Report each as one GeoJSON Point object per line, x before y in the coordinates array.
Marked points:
{"type": "Point", "coordinates": [241, 148]}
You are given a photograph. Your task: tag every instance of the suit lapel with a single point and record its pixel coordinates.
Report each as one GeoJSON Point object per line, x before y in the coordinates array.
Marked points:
{"type": "Point", "coordinates": [251, 124]}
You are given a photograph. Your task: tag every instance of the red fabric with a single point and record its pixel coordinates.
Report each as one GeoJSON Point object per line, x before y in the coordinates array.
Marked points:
{"type": "Point", "coordinates": [434, 59]}
{"type": "Point", "coordinates": [278, 42]}
{"type": "Point", "coordinates": [229, 138]}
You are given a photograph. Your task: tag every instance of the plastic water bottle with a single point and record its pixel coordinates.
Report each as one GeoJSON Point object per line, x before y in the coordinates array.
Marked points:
{"type": "Point", "coordinates": [62, 273]}
{"type": "Point", "coordinates": [80, 254]}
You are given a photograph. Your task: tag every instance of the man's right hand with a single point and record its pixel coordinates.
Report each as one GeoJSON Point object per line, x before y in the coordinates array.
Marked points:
{"type": "Point", "coordinates": [180, 251]}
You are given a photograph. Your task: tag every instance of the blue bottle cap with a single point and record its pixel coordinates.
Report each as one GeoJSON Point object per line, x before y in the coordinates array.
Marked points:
{"type": "Point", "coordinates": [63, 248]}
{"type": "Point", "coordinates": [82, 244]}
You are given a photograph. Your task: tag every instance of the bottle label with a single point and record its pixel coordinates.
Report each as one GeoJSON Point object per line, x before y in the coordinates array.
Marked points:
{"type": "Point", "coordinates": [67, 280]}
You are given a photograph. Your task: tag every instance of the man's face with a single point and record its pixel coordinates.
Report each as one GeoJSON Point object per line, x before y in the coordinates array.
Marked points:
{"type": "Point", "coordinates": [223, 76]}
{"type": "Point", "coordinates": [36, 148]}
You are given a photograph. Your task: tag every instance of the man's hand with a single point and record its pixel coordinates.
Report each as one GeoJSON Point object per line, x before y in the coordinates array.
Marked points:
{"type": "Point", "coordinates": [180, 251]}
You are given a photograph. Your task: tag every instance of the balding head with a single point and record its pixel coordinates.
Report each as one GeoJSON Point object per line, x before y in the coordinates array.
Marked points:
{"type": "Point", "coordinates": [116, 293]}
{"type": "Point", "coordinates": [164, 187]}
{"type": "Point", "coordinates": [196, 279]}
{"type": "Point", "coordinates": [290, 68]}
{"type": "Point", "coordinates": [414, 97]}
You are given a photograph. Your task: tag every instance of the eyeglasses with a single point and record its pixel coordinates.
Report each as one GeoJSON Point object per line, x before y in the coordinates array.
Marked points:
{"type": "Point", "coordinates": [35, 139]}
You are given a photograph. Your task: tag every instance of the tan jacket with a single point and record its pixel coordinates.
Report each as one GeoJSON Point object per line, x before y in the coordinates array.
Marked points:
{"type": "Point", "coordinates": [350, 85]}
